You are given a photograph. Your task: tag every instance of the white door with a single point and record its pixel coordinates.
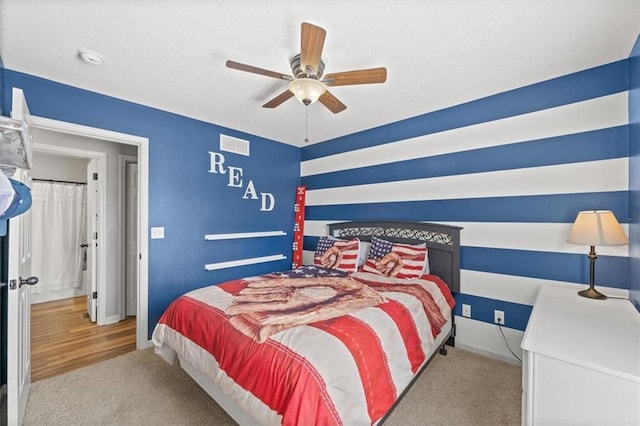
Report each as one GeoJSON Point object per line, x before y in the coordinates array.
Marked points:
{"type": "Point", "coordinates": [92, 239]}
{"type": "Point", "coordinates": [131, 246]}
{"type": "Point", "coordinates": [19, 295]}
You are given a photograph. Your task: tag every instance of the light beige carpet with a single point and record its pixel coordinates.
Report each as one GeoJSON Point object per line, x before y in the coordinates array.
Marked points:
{"type": "Point", "coordinates": [139, 388]}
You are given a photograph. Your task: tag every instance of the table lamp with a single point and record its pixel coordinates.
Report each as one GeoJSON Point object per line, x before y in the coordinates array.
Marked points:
{"type": "Point", "coordinates": [596, 228]}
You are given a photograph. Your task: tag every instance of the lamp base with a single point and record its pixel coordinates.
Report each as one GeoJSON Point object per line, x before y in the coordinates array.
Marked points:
{"type": "Point", "coordinates": [592, 293]}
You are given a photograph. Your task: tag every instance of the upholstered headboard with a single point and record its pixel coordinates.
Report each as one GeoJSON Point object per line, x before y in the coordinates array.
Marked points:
{"type": "Point", "coordinates": [443, 242]}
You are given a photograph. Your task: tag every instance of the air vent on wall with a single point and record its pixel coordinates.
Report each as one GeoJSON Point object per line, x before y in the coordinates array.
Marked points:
{"type": "Point", "coordinates": [235, 145]}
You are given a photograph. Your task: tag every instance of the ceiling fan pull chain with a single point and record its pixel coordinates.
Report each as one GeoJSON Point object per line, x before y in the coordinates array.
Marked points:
{"type": "Point", "coordinates": [306, 123]}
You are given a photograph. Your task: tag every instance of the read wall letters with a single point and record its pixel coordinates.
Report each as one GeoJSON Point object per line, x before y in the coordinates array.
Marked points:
{"type": "Point", "coordinates": [235, 174]}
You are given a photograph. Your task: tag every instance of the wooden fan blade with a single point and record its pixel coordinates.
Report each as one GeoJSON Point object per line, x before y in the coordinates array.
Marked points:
{"type": "Point", "coordinates": [278, 99]}
{"type": "Point", "coordinates": [331, 102]}
{"type": "Point", "coordinates": [256, 70]}
{"type": "Point", "coordinates": [311, 44]}
{"type": "Point", "coordinates": [368, 76]}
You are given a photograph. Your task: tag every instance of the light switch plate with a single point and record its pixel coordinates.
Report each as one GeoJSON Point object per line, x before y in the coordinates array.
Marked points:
{"type": "Point", "coordinates": [157, 232]}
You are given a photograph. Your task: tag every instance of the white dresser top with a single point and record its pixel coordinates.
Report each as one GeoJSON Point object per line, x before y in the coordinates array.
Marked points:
{"type": "Point", "coordinates": [599, 334]}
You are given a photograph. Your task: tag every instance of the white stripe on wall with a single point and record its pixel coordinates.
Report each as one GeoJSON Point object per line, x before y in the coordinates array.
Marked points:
{"type": "Point", "coordinates": [557, 179]}
{"type": "Point", "coordinates": [550, 237]}
{"type": "Point", "coordinates": [593, 114]}
{"type": "Point", "coordinates": [307, 257]}
{"type": "Point", "coordinates": [517, 289]}
{"type": "Point", "coordinates": [317, 228]}
{"type": "Point", "coordinates": [486, 339]}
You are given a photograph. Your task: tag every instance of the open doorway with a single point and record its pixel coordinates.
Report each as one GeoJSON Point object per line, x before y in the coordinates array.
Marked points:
{"type": "Point", "coordinates": [59, 225]}
{"type": "Point", "coordinates": [99, 175]}
{"type": "Point", "coordinates": [80, 149]}
{"type": "Point", "coordinates": [19, 259]}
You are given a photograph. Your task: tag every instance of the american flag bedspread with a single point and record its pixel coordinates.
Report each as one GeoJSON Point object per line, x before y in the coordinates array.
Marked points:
{"type": "Point", "coordinates": [310, 346]}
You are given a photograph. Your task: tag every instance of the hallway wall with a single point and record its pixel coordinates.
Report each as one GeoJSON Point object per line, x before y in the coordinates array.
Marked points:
{"type": "Point", "coordinates": [56, 167]}
{"type": "Point", "coordinates": [112, 217]}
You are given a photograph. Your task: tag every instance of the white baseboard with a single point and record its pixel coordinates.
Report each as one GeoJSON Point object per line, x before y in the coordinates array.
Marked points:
{"type": "Point", "coordinates": [49, 296]}
{"type": "Point", "coordinates": [486, 339]}
{"type": "Point", "coordinates": [111, 320]}
{"type": "Point", "coordinates": [510, 359]}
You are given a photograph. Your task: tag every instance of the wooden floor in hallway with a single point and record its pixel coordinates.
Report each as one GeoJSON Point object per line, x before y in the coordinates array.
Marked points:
{"type": "Point", "coordinates": [64, 339]}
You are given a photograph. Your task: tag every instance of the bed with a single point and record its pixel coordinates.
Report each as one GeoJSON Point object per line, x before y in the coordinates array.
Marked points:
{"type": "Point", "coordinates": [337, 342]}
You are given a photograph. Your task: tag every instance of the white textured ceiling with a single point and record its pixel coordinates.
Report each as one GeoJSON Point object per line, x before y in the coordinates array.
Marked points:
{"type": "Point", "coordinates": [171, 54]}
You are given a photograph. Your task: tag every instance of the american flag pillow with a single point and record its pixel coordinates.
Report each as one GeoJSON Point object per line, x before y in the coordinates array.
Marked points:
{"type": "Point", "coordinates": [337, 254]}
{"type": "Point", "coordinates": [395, 259]}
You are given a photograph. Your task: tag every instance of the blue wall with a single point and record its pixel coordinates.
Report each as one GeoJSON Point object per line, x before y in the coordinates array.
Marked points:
{"type": "Point", "coordinates": [184, 197]}
{"type": "Point", "coordinates": [512, 169]}
{"type": "Point", "coordinates": [634, 174]}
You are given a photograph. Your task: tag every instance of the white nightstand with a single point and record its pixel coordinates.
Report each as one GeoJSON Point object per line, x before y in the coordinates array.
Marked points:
{"type": "Point", "coordinates": [581, 360]}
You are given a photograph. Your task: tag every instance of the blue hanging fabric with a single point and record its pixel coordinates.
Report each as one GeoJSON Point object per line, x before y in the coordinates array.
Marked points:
{"type": "Point", "coordinates": [20, 202]}
{"type": "Point", "coordinates": [7, 193]}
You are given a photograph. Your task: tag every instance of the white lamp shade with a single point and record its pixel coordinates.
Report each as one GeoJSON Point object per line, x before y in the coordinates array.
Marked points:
{"type": "Point", "coordinates": [307, 90]}
{"type": "Point", "coordinates": [597, 228]}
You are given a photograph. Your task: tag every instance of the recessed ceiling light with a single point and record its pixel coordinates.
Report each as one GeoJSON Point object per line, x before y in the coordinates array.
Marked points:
{"type": "Point", "coordinates": [90, 57]}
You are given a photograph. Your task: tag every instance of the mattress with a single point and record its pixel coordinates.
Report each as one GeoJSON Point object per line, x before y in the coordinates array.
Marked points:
{"type": "Point", "coordinates": [320, 349]}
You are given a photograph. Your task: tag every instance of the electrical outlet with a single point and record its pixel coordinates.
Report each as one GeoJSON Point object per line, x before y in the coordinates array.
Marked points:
{"type": "Point", "coordinates": [498, 317]}
{"type": "Point", "coordinates": [466, 310]}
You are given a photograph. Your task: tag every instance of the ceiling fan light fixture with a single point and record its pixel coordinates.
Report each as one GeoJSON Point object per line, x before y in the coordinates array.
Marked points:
{"type": "Point", "coordinates": [307, 90]}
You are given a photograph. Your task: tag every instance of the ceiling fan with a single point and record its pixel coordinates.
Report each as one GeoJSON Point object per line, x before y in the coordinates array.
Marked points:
{"type": "Point", "coordinates": [307, 83]}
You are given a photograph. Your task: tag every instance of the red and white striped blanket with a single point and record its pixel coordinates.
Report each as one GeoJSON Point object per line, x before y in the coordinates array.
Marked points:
{"type": "Point", "coordinates": [346, 364]}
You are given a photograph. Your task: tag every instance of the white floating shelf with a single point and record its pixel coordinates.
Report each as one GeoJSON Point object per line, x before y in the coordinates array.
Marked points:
{"type": "Point", "coordinates": [237, 235]}
{"type": "Point", "coordinates": [243, 262]}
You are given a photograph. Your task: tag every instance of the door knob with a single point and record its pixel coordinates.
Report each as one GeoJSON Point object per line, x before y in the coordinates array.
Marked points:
{"type": "Point", "coordinates": [13, 284]}
{"type": "Point", "coordinates": [28, 281]}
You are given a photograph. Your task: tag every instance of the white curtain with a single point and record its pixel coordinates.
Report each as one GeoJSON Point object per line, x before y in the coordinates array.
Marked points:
{"type": "Point", "coordinates": [59, 213]}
